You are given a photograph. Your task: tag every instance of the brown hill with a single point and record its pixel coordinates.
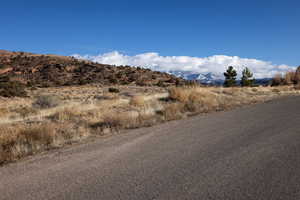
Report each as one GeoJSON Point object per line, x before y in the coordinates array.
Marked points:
{"type": "Point", "coordinates": [52, 70]}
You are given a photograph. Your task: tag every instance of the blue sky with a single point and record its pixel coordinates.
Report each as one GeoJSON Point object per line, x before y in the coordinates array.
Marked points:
{"type": "Point", "coordinates": [261, 29]}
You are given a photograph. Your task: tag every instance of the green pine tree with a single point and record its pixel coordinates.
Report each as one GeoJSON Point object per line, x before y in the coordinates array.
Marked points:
{"type": "Point", "coordinates": [230, 77]}
{"type": "Point", "coordinates": [247, 78]}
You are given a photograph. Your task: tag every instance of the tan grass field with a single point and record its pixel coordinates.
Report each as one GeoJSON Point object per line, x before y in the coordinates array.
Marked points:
{"type": "Point", "coordinates": [53, 117]}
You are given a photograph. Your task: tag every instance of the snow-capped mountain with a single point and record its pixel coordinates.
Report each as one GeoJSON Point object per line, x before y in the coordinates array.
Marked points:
{"type": "Point", "coordinates": [204, 78]}
{"type": "Point", "coordinates": [211, 78]}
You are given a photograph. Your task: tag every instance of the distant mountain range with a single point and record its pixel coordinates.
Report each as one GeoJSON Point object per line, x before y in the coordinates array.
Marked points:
{"type": "Point", "coordinates": [211, 78]}
{"type": "Point", "coordinates": [208, 78]}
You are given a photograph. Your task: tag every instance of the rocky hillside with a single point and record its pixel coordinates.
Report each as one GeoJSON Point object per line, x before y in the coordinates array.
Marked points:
{"type": "Point", "coordinates": [52, 70]}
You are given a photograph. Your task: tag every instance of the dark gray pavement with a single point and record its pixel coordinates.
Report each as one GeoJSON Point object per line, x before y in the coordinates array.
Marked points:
{"type": "Point", "coordinates": [248, 153]}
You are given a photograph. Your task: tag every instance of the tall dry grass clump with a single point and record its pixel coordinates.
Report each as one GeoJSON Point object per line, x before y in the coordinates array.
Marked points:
{"type": "Point", "coordinates": [111, 122]}
{"type": "Point", "coordinates": [206, 99]}
{"type": "Point", "coordinates": [194, 99]}
{"type": "Point", "coordinates": [4, 112]}
{"type": "Point", "coordinates": [277, 80]}
{"type": "Point", "coordinates": [179, 94]}
{"type": "Point", "coordinates": [138, 101]}
{"type": "Point", "coordinates": [289, 78]}
{"type": "Point", "coordinates": [297, 86]}
{"type": "Point", "coordinates": [173, 111]}
{"type": "Point", "coordinates": [18, 141]}
{"type": "Point", "coordinates": [202, 100]}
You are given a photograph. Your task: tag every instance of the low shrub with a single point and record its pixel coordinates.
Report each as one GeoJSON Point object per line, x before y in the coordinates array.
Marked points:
{"type": "Point", "coordinates": [113, 90]}
{"type": "Point", "coordinates": [67, 114]}
{"type": "Point", "coordinates": [254, 90]}
{"type": "Point", "coordinates": [297, 86]}
{"type": "Point", "coordinates": [12, 89]}
{"type": "Point", "coordinates": [109, 121]}
{"type": "Point", "coordinates": [275, 90]}
{"type": "Point", "coordinates": [26, 111]}
{"type": "Point", "coordinates": [46, 101]}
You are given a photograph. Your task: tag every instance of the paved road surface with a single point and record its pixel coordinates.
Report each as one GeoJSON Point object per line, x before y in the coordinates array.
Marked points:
{"type": "Point", "coordinates": [248, 153]}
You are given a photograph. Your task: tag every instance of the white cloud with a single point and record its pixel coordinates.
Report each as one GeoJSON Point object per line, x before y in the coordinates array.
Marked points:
{"type": "Point", "coordinates": [216, 64]}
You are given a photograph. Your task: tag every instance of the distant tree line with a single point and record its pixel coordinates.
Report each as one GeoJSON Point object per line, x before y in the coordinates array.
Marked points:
{"type": "Point", "coordinates": [247, 80]}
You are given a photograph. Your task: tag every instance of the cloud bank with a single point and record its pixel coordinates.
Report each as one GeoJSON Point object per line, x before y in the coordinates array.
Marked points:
{"type": "Point", "coordinates": [216, 64]}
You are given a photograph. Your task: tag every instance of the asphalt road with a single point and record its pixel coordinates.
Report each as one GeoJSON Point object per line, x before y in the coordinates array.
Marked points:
{"type": "Point", "coordinates": [248, 153]}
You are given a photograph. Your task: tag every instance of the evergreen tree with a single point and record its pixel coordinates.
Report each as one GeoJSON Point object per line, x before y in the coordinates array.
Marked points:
{"type": "Point", "coordinates": [230, 77]}
{"type": "Point", "coordinates": [247, 77]}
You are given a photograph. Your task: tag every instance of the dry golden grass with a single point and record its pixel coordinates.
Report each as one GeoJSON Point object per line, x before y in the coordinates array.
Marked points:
{"type": "Point", "coordinates": [26, 111]}
{"type": "Point", "coordinates": [207, 99]}
{"type": "Point", "coordinates": [66, 114]}
{"type": "Point", "coordinates": [4, 112]}
{"type": "Point", "coordinates": [25, 129]}
{"type": "Point", "coordinates": [173, 111]}
{"type": "Point", "coordinates": [195, 99]}
{"type": "Point", "coordinates": [202, 99]}
{"type": "Point", "coordinates": [138, 101]}
{"type": "Point", "coordinates": [179, 94]}
{"type": "Point", "coordinates": [15, 142]}
{"type": "Point", "coordinates": [20, 140]}
{"type": "Point", "coordinates": [127, 120]}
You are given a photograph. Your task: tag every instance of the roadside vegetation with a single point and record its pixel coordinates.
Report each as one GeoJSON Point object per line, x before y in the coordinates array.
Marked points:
{"type": "Point", "coordinates": [288, 78]}
{"type": "Point", "coordinates": [53, 117]}
{"type": "Point", "coordinates": [34, 119]}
